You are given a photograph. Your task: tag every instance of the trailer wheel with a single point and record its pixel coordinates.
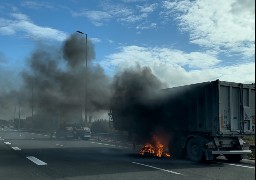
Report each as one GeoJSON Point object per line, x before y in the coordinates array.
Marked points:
{"type": "Point", "coordinates": [195, 150]}
{"type": "Point", "coordinates": [233, 157]}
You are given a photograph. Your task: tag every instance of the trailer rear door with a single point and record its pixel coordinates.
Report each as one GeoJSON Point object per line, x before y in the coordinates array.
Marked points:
{"type": "Point", "coordinates": [236, 108]}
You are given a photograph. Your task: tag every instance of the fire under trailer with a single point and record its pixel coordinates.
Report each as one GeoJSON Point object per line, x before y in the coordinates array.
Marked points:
{"type": "Point", "coordinates": [205, 120]}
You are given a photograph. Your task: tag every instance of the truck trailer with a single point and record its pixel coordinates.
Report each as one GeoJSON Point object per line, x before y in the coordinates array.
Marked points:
{"type": "Point", "coordinates": [205, 120]}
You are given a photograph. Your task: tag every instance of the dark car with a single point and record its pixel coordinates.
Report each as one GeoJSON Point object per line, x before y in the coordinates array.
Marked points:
{"type": "Point", "coordinates": [65, 131]}
{"type": "Point", "coordinates": [72, 131]}
{"type": "Point", "coordinates": [82, 132]}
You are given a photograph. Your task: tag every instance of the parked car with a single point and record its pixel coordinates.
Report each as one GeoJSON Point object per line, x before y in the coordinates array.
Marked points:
{"type": "Point", "coordinates": [72, 131]}
{"type": "Point", "coordinates": [82, 132]}
{"type": "Point", "coordinates": [65, 131]}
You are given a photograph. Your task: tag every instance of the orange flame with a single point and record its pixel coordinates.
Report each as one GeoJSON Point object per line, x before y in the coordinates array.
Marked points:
{"type": "Point", "coordinates": [156, 148]}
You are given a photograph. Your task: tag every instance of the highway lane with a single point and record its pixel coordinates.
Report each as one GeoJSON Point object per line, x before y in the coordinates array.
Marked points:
{"type": "Point", "coordinates": [14, 166]}
{"type": "Point", "coordinates": [78, 159]}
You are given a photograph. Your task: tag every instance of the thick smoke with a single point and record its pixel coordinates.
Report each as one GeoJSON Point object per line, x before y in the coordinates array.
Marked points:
{"type": "Point", "coordinates": [54, 87]}
{"type": "Point", "coordinates": [135, 96]}
{"type": "Point", "coordinates": [74, 50]}
{"type": "Point", "coordinates": [58, 88]}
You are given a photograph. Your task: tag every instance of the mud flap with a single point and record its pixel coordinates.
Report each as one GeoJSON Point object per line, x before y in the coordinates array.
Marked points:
{"type": "Point", "coordinates": [208, 155]}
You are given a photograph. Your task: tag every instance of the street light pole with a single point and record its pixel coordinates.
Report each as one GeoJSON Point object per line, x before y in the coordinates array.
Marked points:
{"type": "Point", "coordinates": [86, 79]}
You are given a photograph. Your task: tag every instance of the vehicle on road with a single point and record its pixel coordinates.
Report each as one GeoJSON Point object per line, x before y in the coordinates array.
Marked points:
{"type": "Point", "coordinates": [72, 131]}
{"type": "Point", "coordinates": [82, 132]}
{"type": "Point", "coordinates": [205, 120]}
{"type": "Point", "coordinates": [64, 131]}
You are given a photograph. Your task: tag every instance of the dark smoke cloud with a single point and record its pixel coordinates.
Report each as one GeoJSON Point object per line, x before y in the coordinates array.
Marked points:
{"type": "Point", "coordinates": [59, 89]}
{"type": "Point", "coordinates": [74, 50]}
{"type": "Point", "coordinates": [54, 84]}
{"type": "Point", "coordinates": [135, 95]}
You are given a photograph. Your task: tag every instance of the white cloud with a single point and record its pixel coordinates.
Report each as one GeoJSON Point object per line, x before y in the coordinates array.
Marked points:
{"type": "Point", "coordinates": [117, 10]}
{"type": "Point", "coordinates": [178, 76]}
{"type": "Point", "coordinates": [95, 40]}
{"type": "Point", "coordinates": [224, 25]}
{"type": "Point", "coordinates": [96, 17]}
{"type": "Point", "coordinates": [133, 18]}
{"type": "Point", "coordinates": [21, 23]}
{"type": "Point", "coordinates": [122, 13]}
{"type": "Point", "coordinates": [131, 55]}
{"type": "Point", "coordinates": [132, 14]}
{"type": "Point", "coordinates": [19, 16]}
{"type": "Point", "coordinates": [132, 1]}
{"type": "Point", "coordinates": [37, 5]}
{"type": "Point", "coordinates": [148, 8]}
{"type": "Point", "coordinates": [176, 68]}
{"type": "Point", "coordinates": [146, 26]}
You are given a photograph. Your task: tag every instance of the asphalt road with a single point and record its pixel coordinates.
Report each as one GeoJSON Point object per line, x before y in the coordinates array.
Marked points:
{"type": "Point", "coordinates": [27, 155]}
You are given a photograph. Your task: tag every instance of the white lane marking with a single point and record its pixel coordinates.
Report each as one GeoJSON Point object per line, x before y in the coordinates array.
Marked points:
{"type": "Point", "coordinates": [61, 145]}
{"type": "Point", "coordinates": [16, 148]}
{"type": "Point", "coordinates": [173, 172]}
{"type": "Point", "coordinates": [45, 135]}
{"type": "Point", "coordinates": [92, 142]}
{"type": "Point", "coordinates": [32, 133]}
{"type": "Point", "coordinates": [7, 143]}
{"type": "Point", "coordinates": [32, 138]}
{"type": "Point", "coordinates": [36, 161]}
{"type": "Point", "coordinates": [99, 143]}
{"type": "Point", "coordinates": [238, 165]}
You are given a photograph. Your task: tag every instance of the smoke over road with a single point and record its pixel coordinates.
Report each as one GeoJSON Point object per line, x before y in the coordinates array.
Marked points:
{"type": "Point", "coordinates": [54, 85]}
{"type": "Point", "coordinates": [134, 101]}
{"type": "Point", "coordinates": [59, 88]}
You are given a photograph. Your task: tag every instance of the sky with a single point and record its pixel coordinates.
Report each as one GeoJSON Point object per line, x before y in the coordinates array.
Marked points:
{"type": "Point", "coordinates": [183, 41]}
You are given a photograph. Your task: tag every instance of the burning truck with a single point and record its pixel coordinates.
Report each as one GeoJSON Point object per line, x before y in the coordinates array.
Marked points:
{"type": "Point", "coordinates": [200, 121]}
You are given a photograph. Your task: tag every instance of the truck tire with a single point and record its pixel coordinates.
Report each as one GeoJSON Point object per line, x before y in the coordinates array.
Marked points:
{"type": "Point", "coordinates": [233, 157]}
{"type": "Point", "coordinates": [195, 150]}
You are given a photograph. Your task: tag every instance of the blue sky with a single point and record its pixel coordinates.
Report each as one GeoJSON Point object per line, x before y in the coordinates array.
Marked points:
{"type": "Point", "coordinates": [182, 41]}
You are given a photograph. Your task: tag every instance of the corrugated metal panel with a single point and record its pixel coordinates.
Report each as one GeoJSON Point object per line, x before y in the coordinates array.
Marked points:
{"type": "Point", "coordinates": [235, 118]}
{"type": "Point", "coordinates": [237, 108]}
{"type": "Point", "coordinates": [224, 108]}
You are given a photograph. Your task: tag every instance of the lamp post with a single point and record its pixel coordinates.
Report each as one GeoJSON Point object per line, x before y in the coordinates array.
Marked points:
{"type": "Point", "coordinates": [85, 97]}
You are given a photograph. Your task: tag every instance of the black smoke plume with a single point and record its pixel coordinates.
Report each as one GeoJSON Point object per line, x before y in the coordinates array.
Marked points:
{"type": "Point", "coordinates": [56, 78]}
{"type": "Point", "coordinates": [54, 87]}
{"type": "Point", "coordinates": [74, 50]}
{"type": "Point", "coordinates": [135, 97]}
